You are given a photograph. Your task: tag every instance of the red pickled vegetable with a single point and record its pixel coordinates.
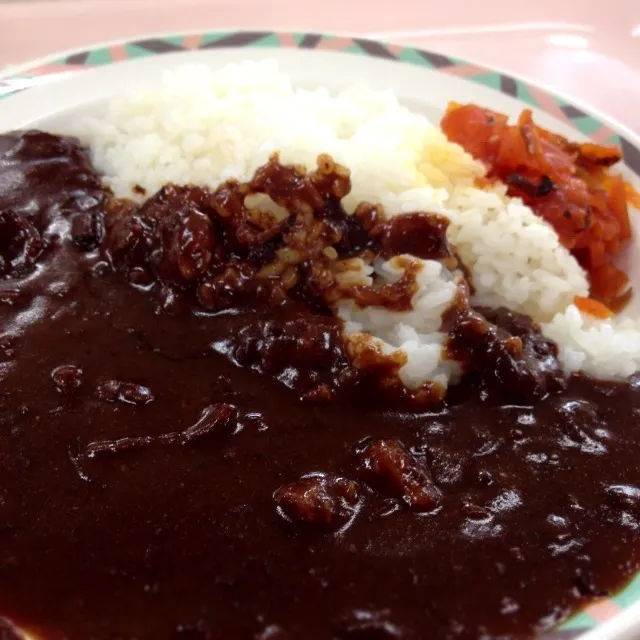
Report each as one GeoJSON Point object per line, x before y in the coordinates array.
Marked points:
{"type": "Point", "coordinates": [565, 183]}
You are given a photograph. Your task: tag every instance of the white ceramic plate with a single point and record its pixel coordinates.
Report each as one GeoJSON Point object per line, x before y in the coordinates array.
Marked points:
{"type": "Point", "coordinates": [50, 92]}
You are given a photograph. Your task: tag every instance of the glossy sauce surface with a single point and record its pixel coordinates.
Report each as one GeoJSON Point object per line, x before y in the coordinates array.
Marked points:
{"type": "Point", "coordinates": [155, 482]}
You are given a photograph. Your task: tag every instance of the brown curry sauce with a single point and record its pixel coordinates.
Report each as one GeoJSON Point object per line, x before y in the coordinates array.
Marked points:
{"type": "Point", "coordinates": [186, 450]}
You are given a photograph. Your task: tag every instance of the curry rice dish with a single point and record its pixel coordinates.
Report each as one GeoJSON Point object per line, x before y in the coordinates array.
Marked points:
{"type": "Point", "coordinates": [273, 404]}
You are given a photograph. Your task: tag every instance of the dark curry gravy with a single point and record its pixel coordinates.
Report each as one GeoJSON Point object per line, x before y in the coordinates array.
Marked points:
{"type": "Point", "coordinates": [172, 469]}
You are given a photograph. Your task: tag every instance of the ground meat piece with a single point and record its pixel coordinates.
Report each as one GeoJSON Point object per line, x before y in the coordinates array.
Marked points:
{"type": "Point", "coordinates": [319, 499]}
{"type": "Point", "coordinates": [354, 230]}
{"type": "Point", "coordinates": [420, 234]}
{"type": "Point", "coordinates": [87, 230]}
{"type": "Point", "coordinates": [298, 353]}
{"type": "Point", "coordinates": [121, 391]}
{"type": "Point", "coordinates": [67, 378]}
{"type": "Point", "coordinates": [171, 234]}
{"type": "Point", "coordinates": [388, 464]}
{"type": "Point", "coordinates": [20, 243]}
{"type": "Point", "coordinates": [220, 419]}
{"type": "Point", "coordinates": [506, 352]}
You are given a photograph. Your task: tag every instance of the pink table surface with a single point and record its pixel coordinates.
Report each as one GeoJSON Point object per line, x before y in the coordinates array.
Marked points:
{"type": "Point", "coordinates": [589, 49]}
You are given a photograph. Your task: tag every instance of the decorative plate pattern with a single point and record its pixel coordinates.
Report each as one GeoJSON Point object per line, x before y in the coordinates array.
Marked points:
{"type": "Point", "coordinates": [601, 610]}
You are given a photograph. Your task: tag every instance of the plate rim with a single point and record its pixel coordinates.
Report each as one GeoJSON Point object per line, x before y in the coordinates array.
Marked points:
{"type": "Point", "coordinates": [556, 103]}
{"type": "Point", "coordinates": [60, 63]}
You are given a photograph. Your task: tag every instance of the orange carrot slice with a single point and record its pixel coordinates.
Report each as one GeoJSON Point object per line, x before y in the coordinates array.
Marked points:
{"type": "Point", "coordinates": [592, 307]}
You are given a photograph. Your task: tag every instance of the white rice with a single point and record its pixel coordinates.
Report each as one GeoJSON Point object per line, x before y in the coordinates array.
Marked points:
{"type": "Point", "coordinates": [204, 127]}
{"type": "Point", "coordinates": [516, 258]}
{"type": "Point", "coordinates": [607, 349]}
{"type": "Point", "coordinates": [415, 332]}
